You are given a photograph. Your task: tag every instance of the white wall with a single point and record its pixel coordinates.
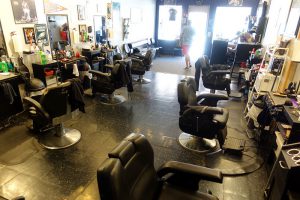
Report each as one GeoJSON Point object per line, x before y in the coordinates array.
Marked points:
{"type": "Point", "coordinates": [138, 31]}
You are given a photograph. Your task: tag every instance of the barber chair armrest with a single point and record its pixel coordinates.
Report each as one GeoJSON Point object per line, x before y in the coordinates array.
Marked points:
{"type": "Point", "coordinates": [209, 99]}
{"type": "Point", "coordinates": [138, 56]}
{"type": "Point", "coordinates": [220, 67]}
{"type": "Point", "coordinates": [186, 169]}
{"type": "Point", "coordinates": [207, 109]}
{"type": "Point", "coordinates": [36, 105]}
{"type": "Point", "coordinates": [98, 73]}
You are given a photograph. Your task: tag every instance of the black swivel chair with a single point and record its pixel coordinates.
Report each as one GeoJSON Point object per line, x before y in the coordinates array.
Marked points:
{"type": "Point", "coordinates": [107, 83]}
{"type": "Point", "coordinates": [214, 77]}
{"type": "Point", "coordinates": [141, 64]}
{"type": "Point", "coordinates": [53, 103]}
{"type": "Point", "coordinates": [200, 122]}
{"type": "Point", "coordinates": [219, 52]}
{"type": "Point", "coordinates": [129, 174]}
{"type": "Point", "coordinates": [31, 84]}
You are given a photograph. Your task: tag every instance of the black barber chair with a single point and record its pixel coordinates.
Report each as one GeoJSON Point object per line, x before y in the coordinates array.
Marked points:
{"type": "Point", "coordinates": [201, 124]}
{"type": "Point", "coordinates": [141, 64]}
{"type": "Point", "coordinates": [53, 103]}
{"type": "Point", "coordinates": [31, 84]}
{"type": "Point", "coordinates": [214, 77]}
{"type": "Point", "coordinates": [129, 174]}
{"type": "Point", "coordinates": [107, 83]}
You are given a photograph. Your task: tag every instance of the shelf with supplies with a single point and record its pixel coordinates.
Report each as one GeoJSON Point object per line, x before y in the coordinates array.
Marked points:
{"type": "Point", "coordinates": [269, 74]}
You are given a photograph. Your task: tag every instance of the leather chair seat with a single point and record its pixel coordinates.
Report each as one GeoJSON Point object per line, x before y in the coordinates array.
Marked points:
{"type": "Point", "coordinates": [222, 119]}
{"type": "Point", "coordinates": [177, 193]}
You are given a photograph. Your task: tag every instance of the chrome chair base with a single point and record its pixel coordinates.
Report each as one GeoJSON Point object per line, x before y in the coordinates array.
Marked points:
{"type": "Point", "coordinates": [112, 99]}
{"type": "Point", "coordinates": [59, 138]}
{"type": "Point", "coordinates": [142, 80]}
{"type": "Point", "coordinates": [197, 144]}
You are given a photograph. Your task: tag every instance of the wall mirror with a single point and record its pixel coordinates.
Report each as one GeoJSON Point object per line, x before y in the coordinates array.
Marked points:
{"type": "Point", "coordinates": [100, 29]}
{"type": "Point", "coordinates": [59, 33]}
{"type": "Point", "coordinates": [3, 50]}
{"type": "Point", "coordinates": [293, 22]}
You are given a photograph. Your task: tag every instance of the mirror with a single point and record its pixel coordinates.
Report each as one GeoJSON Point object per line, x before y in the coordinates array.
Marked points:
{"type": "Point", "coordinates": [99, 29]}
{"type": "Point", "coordinates": [3, 50]}
{"type": "Point", "coordinates": [59, 33]}
{"type": "Point", "coordinates": [292, 25]}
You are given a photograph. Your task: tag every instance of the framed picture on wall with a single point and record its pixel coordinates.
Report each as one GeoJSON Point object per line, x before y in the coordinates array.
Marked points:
{"type": "Point", "coordinates": [29, 35]}
{"type": "Point", "coordinates": [41, 34]}
{"type": "Point", "coordinates": [82, 28]}
{"type": "Point", "coordinates": [24, 11]}
{"type": "Point", "coordinates": [81, 12]}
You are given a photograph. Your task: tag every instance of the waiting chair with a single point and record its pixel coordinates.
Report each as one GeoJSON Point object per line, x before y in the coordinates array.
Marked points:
{"type": "Point", "coordinates": [107, 83]}
{"type": "Point", "coordinates": [141, 64]}
{"type": "Point", "coordinates": [203, 126]}
{"type": "Point", "coordinates": [53, 103]}
{"type": "Point", "coordinates": [214, 77]}
{"type": "Point", "coordinates": [31, 84]}
{"type": "Point", "coordinates": [129, 174]}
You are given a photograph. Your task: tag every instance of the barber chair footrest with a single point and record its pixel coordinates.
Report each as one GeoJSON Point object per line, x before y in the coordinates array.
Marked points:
{"type": "Point", "coordinates": [197, 144]}
{"type": "Point", "coordinates": [112, 99]}
{"type": "Point", "coordinates": [59, 138]}
{"type": "Point", "coordinates": [235, 94]}
{"type": "Point", "coordinates": [142, 80]}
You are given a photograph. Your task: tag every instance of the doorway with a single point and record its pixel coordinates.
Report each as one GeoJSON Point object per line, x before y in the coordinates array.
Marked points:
{"type": "Point", "coordinates": [198, 16]}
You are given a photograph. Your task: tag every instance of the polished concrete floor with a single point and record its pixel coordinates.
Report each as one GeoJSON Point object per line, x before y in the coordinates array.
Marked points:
{"type": "Point", "coordinates": [36, 173]}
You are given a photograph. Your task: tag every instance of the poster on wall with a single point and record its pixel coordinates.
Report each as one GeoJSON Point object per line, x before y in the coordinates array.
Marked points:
{"type": "Point", "coordinates": [24, 11]}
{"type": "Point", "coordinates": [81, 12]}
{"type": "Point", "coordinates": [41, 34]}
{"type": "Point", "coordinates": [51, 6]}
{"type": "Point", "coordinates": [29, 35]}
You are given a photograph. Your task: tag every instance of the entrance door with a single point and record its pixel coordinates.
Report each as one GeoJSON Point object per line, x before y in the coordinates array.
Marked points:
{"type": "Point", "coordinates": [198, 16]}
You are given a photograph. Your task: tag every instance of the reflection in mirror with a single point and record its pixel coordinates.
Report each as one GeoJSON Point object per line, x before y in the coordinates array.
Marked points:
{"type": "Point", "coordinates": [99, 27]}
{"type": "Point", "coordinates": [59, 34]}
{"type": "Point", "coordinates": [3, 50]}
{"type": "Point", "coordinates": [292, 25]}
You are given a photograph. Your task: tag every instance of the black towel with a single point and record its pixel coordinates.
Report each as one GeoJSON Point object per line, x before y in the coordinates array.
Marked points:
{"type": "Point", "coordinates": [9, 92]}
{"type": "Point", "coordinates": [76, 95]}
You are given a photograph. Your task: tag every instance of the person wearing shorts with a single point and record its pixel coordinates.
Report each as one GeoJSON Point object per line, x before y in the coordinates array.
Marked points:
{"type": "Point", "coordinates": [186, 39]}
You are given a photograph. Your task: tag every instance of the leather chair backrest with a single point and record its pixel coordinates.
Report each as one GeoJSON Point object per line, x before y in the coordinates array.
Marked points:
{"type": "Point", "coordinates": [129, 172]}
{"type": "Point", "coordinates": [205, 67]}
{"type": "Point", "coordinates": [55, 100]}
{"type": "Point", "coordinates": [219, 52]}
{"type": "Point", "coordinates": [148, 57]}
{"type": "Point", "coordinates": [243, 51]}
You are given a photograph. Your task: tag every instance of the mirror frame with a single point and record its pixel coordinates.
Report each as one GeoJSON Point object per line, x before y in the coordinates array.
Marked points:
{"type": "Point", "coordinates": [2, 35]}
{"type": "Point", "coordinates": [64, 15]}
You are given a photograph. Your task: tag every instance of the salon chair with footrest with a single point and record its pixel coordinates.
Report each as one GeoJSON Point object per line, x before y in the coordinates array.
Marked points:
{"type": "Point", "coordinates": [141, 64]}
{"type": "Point", "coordinates": [107, 83]}
{"type": "Point", "coordinates": [55, 102]}
{"type": "Point", "coordinates": [203, 124]}
{"type": "Point", "coordinates": [129, 174]}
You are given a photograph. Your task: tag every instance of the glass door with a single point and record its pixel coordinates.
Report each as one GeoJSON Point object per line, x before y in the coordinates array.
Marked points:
{"type": "Point", "coordinates": [198, 16]}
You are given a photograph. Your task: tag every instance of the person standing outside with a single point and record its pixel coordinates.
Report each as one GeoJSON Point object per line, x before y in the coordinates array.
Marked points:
{"type": "Point", "coordinates": [186, 39]}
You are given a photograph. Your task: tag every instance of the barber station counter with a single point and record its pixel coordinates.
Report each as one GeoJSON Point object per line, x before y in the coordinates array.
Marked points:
{"type": "Point", "coordinates": [10, 106]}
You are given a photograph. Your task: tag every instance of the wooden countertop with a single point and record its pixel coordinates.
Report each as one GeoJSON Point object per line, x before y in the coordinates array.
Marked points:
{"type": "Point", "coordinates": [7, 77]}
